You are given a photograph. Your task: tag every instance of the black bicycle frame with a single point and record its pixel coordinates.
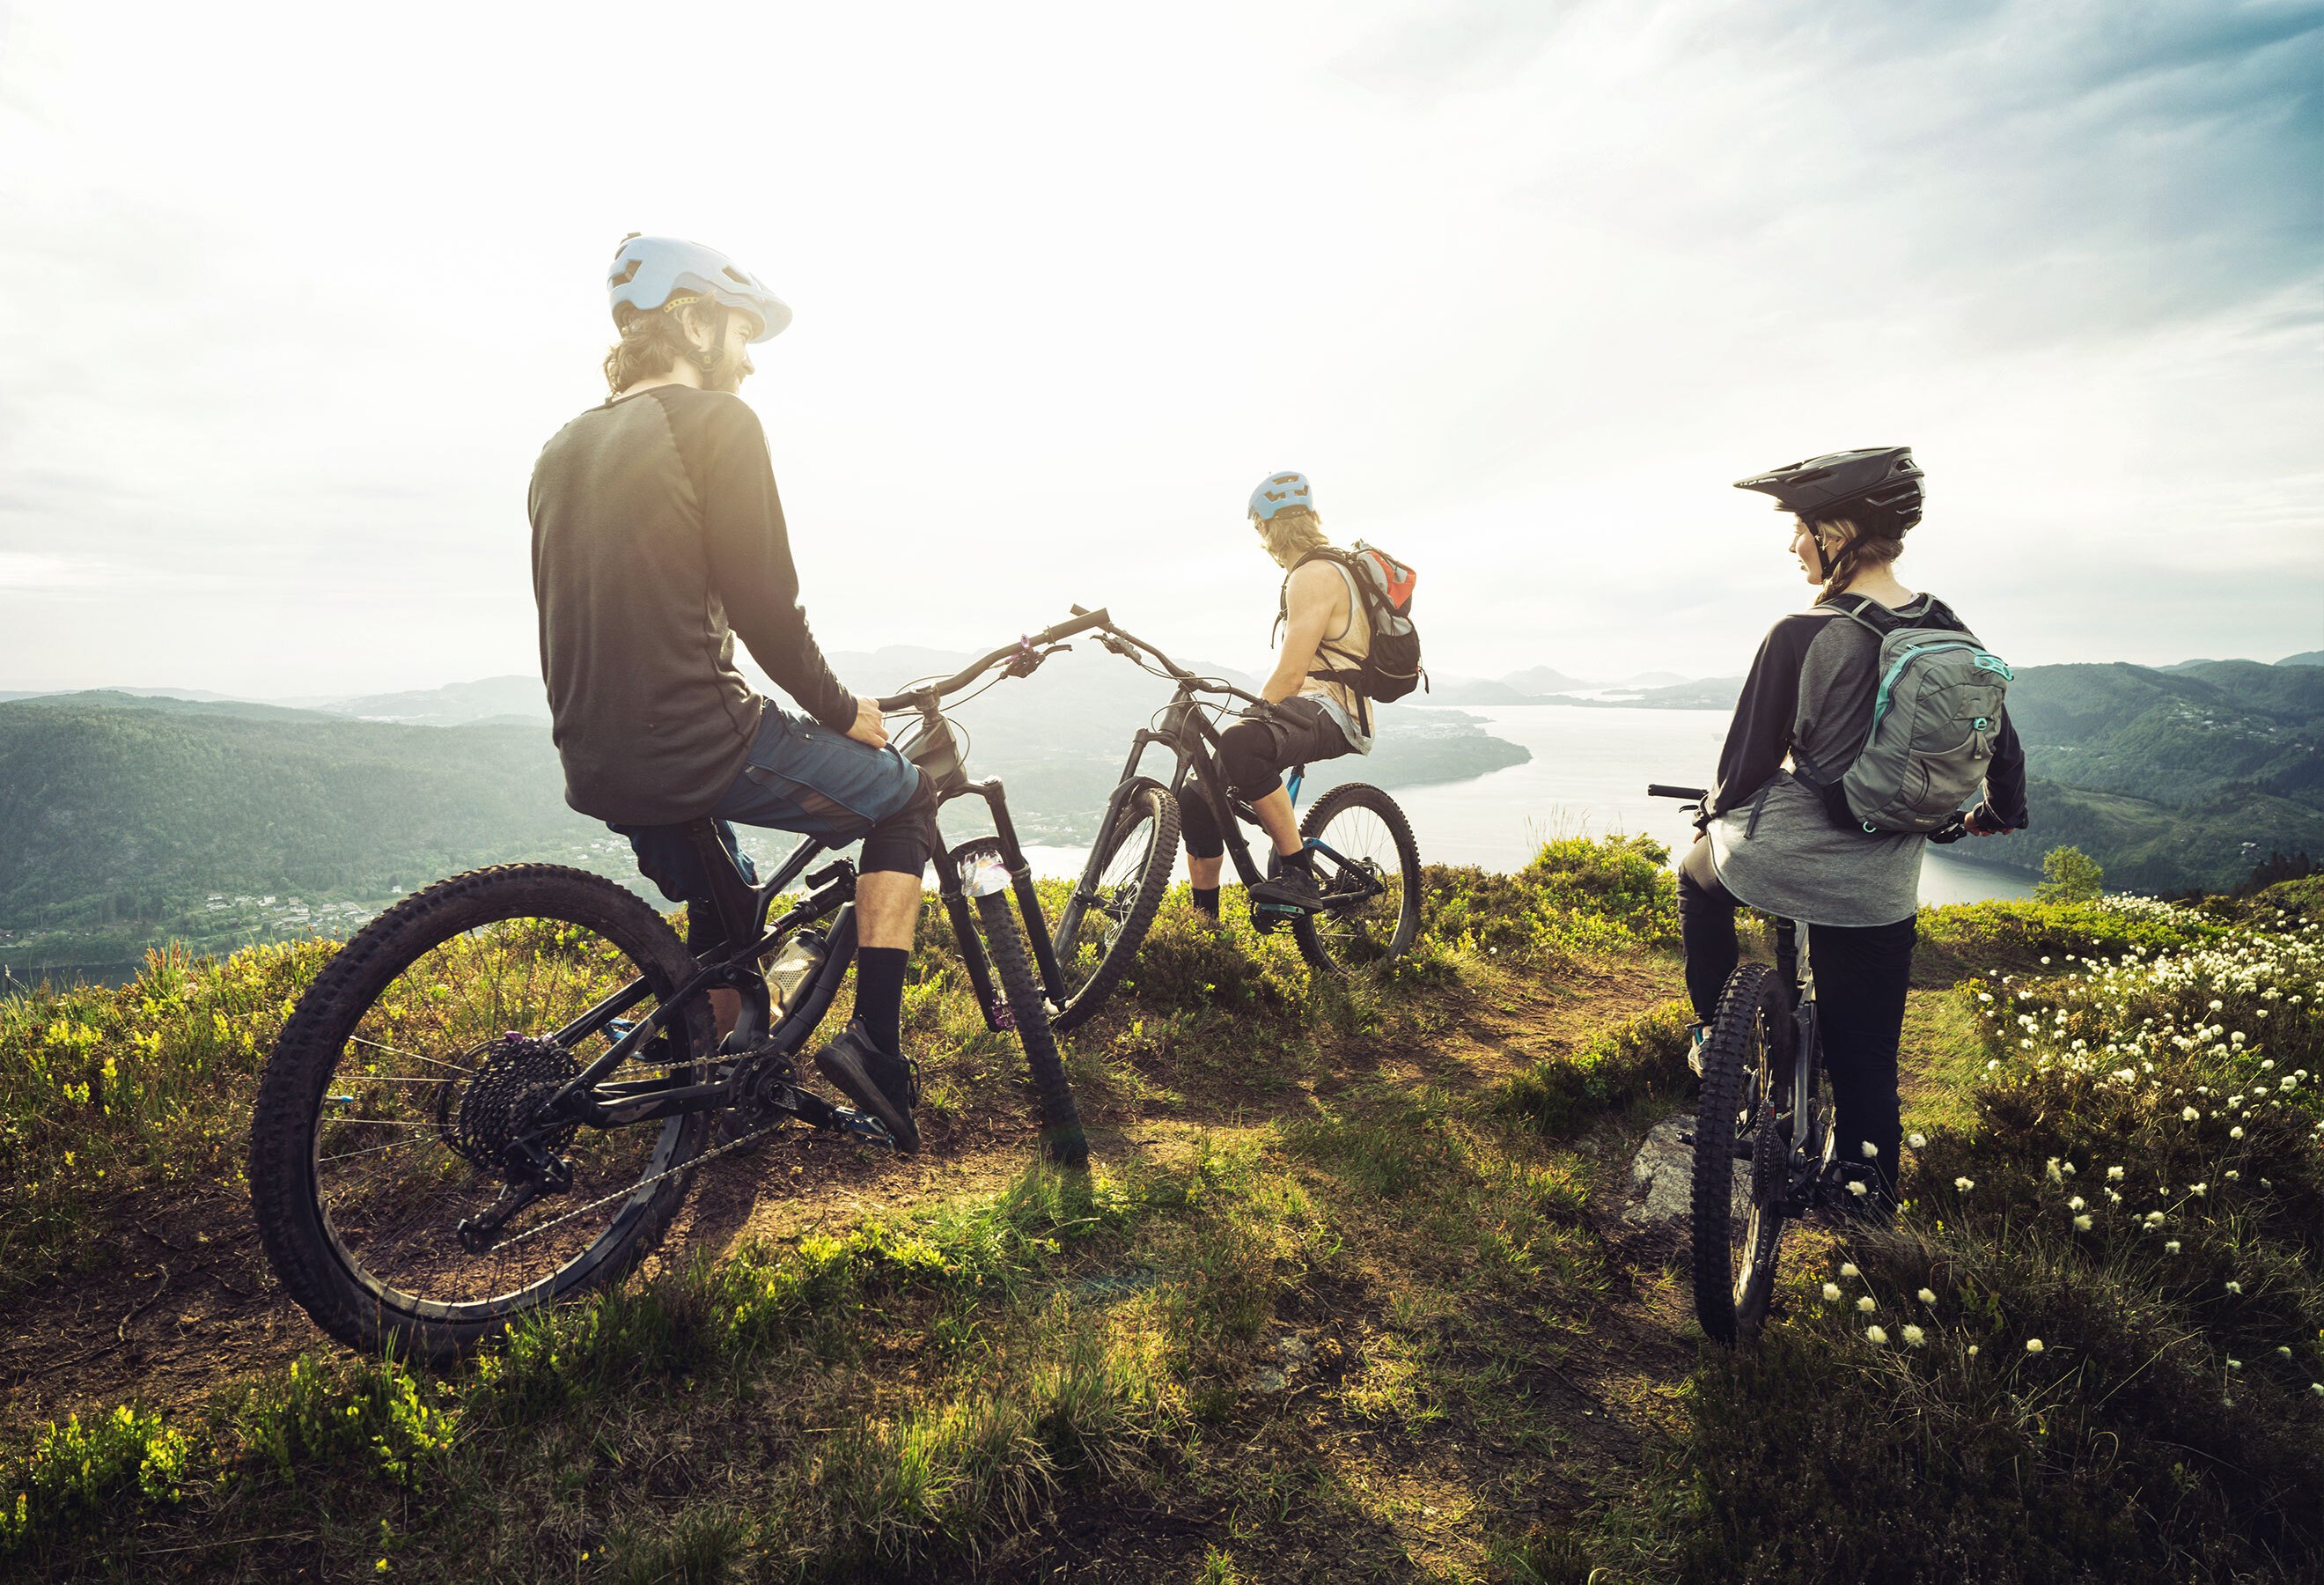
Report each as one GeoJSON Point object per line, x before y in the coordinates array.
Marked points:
{"type": "Point", "coordinates": [1188, 735]}
{"type": "Point", "coordinates": [742, 909]}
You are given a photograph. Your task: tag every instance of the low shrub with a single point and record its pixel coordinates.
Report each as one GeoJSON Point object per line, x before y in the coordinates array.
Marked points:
{"type": "Point", "coordinates": [1641, 1060]}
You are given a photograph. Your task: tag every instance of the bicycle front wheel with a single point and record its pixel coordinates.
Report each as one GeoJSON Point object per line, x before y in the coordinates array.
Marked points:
{"type": "Point", "coordinates": [1365, 855]}
{"type": "Point", "coordinates": [1735, 1236]}
{"type": "Point", "coordinates": [1114, 902]}
{"type": "Point", "coordinates": [1062, 1139]}
{"type": "Point", "coordinates": [414, 1063]}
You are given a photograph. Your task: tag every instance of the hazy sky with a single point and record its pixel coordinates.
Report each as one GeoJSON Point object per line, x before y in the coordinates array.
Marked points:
{"type": "Point", "coordinates": [289, 298]}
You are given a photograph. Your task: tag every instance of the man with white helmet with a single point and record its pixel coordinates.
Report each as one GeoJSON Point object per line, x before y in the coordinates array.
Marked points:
{"type": "Point", "coordinates": [657, 538]}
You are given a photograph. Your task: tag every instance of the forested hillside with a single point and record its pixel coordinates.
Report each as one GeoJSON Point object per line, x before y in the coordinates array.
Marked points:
{"type": "Point", "coordinates": [2173, 780]}
{"type": "Point", "coordinates": [128, 821]}
{"type": "Point", "coordinates": [110, 813]}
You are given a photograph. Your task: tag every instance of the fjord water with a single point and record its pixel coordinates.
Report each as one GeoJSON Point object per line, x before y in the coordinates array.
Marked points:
{"type": "Point", "coordinates": [1587, 777]}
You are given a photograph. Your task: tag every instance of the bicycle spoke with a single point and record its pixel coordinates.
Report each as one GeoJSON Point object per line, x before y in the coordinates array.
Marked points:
{"type": "Point", "coordinates": [395, 1205]}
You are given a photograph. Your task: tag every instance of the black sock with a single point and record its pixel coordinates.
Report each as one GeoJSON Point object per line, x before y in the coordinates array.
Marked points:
{"type": "Point", "coordinates": [880, 995]}
{"type": "Point", "coordinates": [1303, 859]}
{"type": "Point", "coordinates": [1207, 900]}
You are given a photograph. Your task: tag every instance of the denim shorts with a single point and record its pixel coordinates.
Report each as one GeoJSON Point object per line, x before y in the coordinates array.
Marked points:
{"type": "Point", "coordinates": [799, 776]}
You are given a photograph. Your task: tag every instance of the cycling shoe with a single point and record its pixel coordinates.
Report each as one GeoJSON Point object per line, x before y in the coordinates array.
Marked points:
{"type": "Point", "coordinates": [881, 1085]}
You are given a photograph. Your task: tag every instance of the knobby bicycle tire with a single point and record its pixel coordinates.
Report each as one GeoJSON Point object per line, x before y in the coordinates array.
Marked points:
{"type": "Point", "coordinates": [1148, 799]}
{"type": "Point", "coordinates": [1753, 1020]}
{"type": "Point", "coordinates": [1063, 1141]}
{"type": "Point", "coordinates": [314, 1267]}
{"type": "Point", "coordinates": [1314, 932]}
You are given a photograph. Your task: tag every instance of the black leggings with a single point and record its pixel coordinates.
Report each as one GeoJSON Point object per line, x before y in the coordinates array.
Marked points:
{"type": "Point", "coordinates": [1251, 755]}
{"type": "Point", "coordinates": [1861, 976]}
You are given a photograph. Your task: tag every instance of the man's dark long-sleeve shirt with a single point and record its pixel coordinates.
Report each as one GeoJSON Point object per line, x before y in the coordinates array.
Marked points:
{"type": "Point", "coordinates": [657, 538]}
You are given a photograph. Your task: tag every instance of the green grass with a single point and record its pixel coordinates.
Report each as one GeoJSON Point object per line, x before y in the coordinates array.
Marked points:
{"type": "Point", "coordinates": [1368, 1326]}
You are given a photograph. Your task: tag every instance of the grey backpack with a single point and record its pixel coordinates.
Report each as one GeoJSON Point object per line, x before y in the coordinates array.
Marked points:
{"type": "Point", "coordinates": [1935, 719]}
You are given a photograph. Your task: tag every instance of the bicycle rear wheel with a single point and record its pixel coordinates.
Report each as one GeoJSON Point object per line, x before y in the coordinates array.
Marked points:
{"type": "Point", "coordinates": [1735, 1245]}
{"type": "Point", "coordinates": [1114, 902]}
{"type": "Point", "coordinates": [1366, 847]}
{"type": "Point", "coordinates": [411, 1065]}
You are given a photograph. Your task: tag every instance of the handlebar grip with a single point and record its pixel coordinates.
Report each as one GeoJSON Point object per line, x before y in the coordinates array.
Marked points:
{"type": "Point", "coordinates": [894, 702]}
{"type": "Point", "coordinates": [1691, 794]}
{"type": "Point", "coordinates": [1081, 621]}
{"type": "Point", "coordinates": [1952, 830]}
{"type": "Point", "coordinates": [1078, 610]}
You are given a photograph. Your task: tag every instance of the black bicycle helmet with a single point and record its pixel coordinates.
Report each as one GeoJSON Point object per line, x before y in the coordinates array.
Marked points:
{"type": "Point", "coordinates": [1882, 478]}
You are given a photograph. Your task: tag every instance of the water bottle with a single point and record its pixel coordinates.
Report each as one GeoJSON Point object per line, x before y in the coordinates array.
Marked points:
{"type": "Point", "coordinates": [795, 968]}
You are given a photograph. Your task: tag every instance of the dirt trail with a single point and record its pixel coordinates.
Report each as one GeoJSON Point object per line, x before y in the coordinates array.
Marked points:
{"type": "Point", "coordinates": [177, 1299]}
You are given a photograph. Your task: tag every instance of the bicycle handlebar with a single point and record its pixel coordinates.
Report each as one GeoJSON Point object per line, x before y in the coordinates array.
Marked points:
{"type": "Point", "coordinates": [1952, 830]}
{"type": "Point", "coordinates": [1081, 621]}
{"type": "Point", "coordinates": [1175, 672]}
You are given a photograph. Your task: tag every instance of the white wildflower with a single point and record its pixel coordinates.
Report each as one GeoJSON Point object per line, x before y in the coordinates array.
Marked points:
{"type": "Point", "coordinates": [1926, 1296]}
{"type": "Point", "coordinates": [1848, 1269]}
{"type": "Point", "coordinates": [1914, 1335]}
{"type": "Point", "coordinates": [2033, 1345]}
{"type": "Point", "coordinates": [1866, 1304]}
{"type": "Point", "coordinates": [1877, 1335]}
{"type": "Point", "coordinates": [1832, 1293]}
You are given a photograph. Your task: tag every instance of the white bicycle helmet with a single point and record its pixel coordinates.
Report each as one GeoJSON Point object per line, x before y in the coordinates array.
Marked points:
{"type": "Point", "coordinates": [649, 271]}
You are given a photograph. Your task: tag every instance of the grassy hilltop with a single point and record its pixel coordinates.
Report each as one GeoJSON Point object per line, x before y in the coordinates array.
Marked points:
{"type": "Point", "coordinates": [1355, 1291]}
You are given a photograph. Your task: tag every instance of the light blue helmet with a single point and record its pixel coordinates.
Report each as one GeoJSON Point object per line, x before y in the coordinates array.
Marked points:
{"type": "Point", "coordinates": [649, 271]}
{"type": "Point", "coordinates": [1278, 490]}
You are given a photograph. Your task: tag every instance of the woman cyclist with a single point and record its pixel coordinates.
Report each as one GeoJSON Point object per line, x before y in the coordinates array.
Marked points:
{"type": "Point", "coordinates": [1778, 843]}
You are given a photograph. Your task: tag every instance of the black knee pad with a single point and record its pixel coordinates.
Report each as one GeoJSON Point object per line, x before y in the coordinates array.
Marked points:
{"type": "Point", "coordinates": [903, 842]}
{"type": "Point", "coordinates": [1247, 754]}
{"type": "Point", "coordinates": [1198, 826]}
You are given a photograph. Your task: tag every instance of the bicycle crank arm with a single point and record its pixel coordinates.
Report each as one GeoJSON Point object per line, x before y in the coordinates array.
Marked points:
{"type": "Point", "coordinates": [813, 1110]}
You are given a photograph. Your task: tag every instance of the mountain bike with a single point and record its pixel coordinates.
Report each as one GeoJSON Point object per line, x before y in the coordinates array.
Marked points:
{"type": "Point", "coordinates": [1766, 1103]}
{"type": "Point", "coordinates": [495, 1096]}
{"type": "Point", "coordinates": [1367, 864]}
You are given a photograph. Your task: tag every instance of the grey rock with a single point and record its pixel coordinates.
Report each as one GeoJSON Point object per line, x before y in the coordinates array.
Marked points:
{"type": "Point", "coordinates": [1662, 1177]}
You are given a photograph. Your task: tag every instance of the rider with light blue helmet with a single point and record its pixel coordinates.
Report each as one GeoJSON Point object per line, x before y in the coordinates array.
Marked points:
{"type": "Point", "coordinates": [1310, 716]}
{"type": "Point", "coordinates": [658, 540]}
